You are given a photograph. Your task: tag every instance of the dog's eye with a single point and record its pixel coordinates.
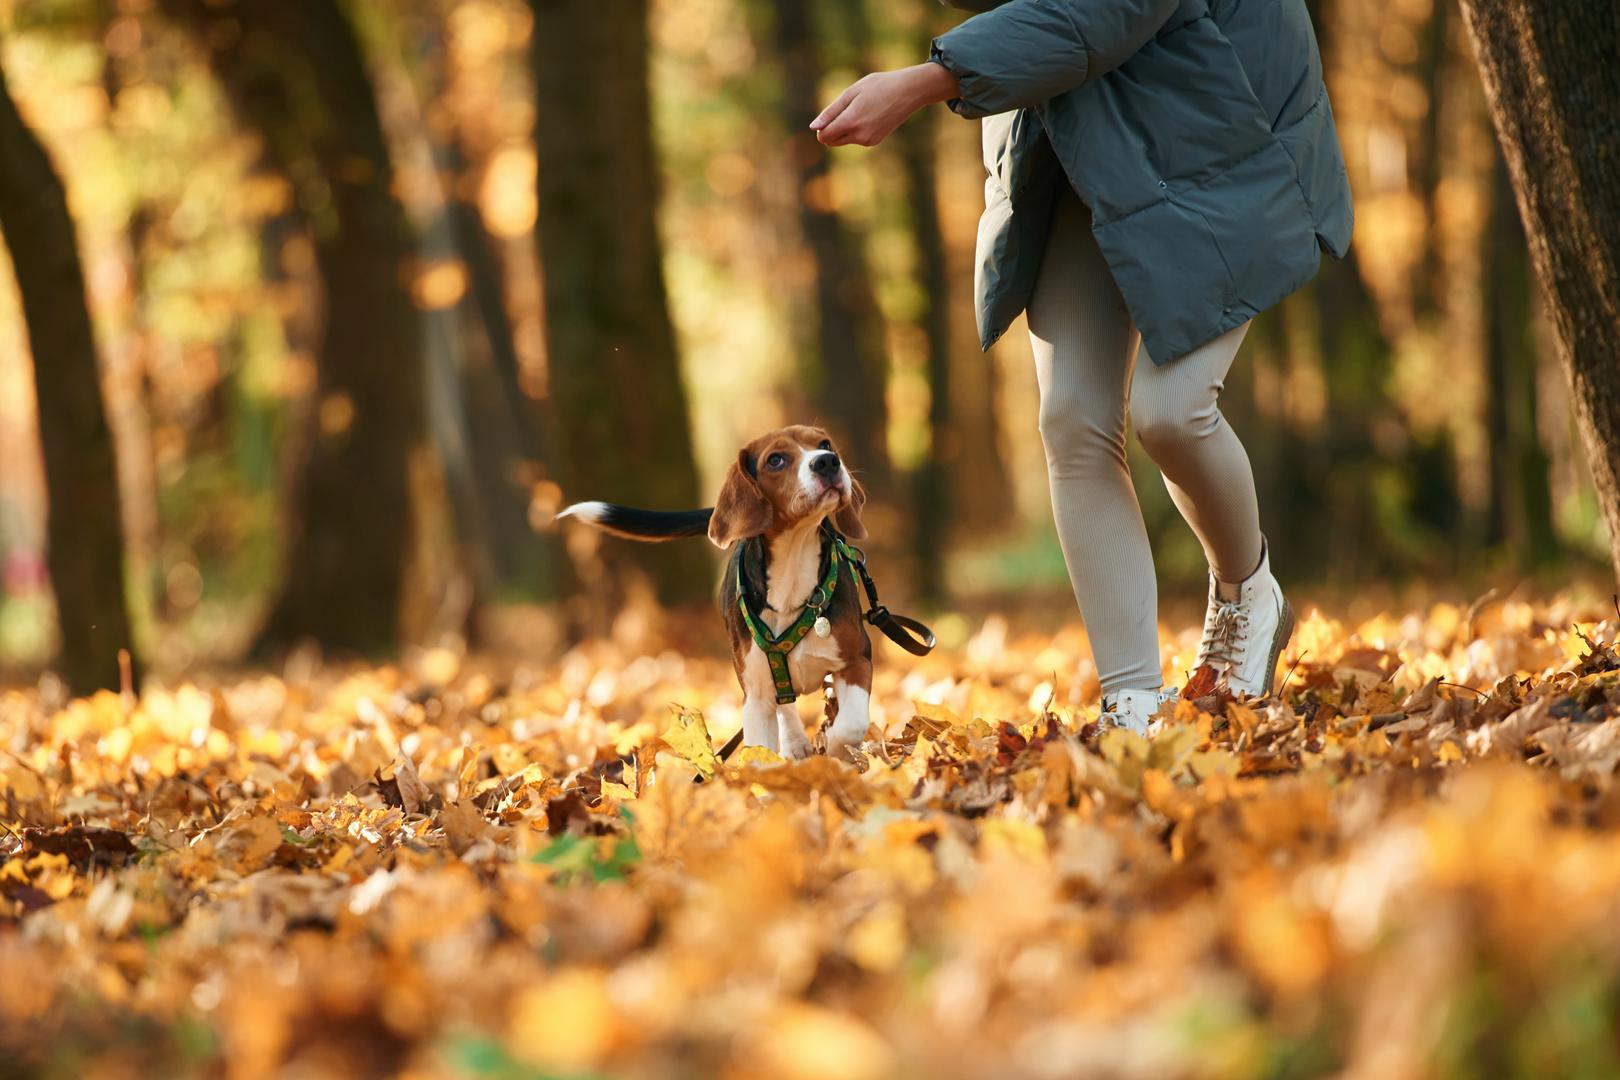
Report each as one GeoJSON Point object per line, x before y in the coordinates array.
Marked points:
{"type": "Point", "coordinates": [776, 462]}
{"type": "Point", "coordinates": [826, 444]}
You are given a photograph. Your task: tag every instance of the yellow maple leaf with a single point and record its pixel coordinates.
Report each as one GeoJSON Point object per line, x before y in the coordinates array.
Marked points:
{"type": "Point", "coordinates": [688, 736]}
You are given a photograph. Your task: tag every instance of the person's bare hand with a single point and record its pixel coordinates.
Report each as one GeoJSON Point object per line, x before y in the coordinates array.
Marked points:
{"type": "Point", "coordinates": [870, 110]}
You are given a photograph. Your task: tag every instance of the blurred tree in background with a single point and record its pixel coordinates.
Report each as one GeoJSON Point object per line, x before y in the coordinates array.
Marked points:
{"type": "Point", "coordinates": [296, 77]}
{"type": "Point", "coordinates": [842, 362]}
{"type": "Point", "coordinates": [85, 546]}
{"type": "Point", "coordinates": [619, 403]}
{"type": "Point", "coordinates": [379, 287]}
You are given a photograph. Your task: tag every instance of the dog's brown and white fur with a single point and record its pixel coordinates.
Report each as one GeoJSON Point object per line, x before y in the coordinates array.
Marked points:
{"type": "Point", "coordinates": [781, 488]}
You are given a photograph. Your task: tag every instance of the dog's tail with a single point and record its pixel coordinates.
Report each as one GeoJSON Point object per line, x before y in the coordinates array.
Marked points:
{"type": "Point", "coordinates": [634, 524]}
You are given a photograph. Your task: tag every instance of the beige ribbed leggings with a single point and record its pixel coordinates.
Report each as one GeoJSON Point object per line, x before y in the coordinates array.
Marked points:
{"type": "Point", "coordinates": [1089, 365]}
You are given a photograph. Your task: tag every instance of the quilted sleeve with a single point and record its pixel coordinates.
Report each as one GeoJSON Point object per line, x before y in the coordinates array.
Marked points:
{"type": "Point", "coordinates": [1024, 52]}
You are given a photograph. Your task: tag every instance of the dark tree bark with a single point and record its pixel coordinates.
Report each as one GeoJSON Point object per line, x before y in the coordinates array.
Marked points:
{"type": "Point", "coordinates": [1355, 359]}
{"type": "Point", "coordinates": [1521, 490]}
{"type": "Point", "coordinates": [1265, 433]}
{"type": "Point", "coordinates": [137, 461]}
{"type": "Point", "coordinates": [1433, 69]}
{"type": "Point", "coordinates": [931, 489]}
{"type": "Point", "coordinates": [487, 292]}
{"type": "Point", "coordinates": [295, 73]}
{"type": "Point", "coordinates": [1554, 90]}
{"type": "Point", "coordinates": [623, 431]}
{"type": "Point", "coordinates": [1372, 497]}
{"type": "Point", "coordinates": [850, 377]}
{"type": "Point", "coordinates": [84, 532]}
{"type": "Point", "coordinates": [493, 444]}
{"type": "Point", "coordinates": [508, 428]}
{"type": "Point", "coordinates": [979, 461]}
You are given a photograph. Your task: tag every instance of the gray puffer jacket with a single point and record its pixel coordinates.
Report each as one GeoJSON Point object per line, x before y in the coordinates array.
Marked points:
{"type": "Point", "coordinates": [1198, 132]}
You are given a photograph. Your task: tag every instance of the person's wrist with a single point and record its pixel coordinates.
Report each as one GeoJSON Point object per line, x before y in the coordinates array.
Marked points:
{"type": "Point", "coordinates": [933, 83]}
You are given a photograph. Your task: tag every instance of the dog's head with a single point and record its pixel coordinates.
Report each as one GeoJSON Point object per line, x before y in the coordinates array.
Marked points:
{"type": "Point", "coordinates": [784, 479]}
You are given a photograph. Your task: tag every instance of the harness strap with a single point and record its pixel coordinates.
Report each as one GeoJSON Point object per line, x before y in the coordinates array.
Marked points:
{"type": "Point", "coordinates": [777, 646]}
{"type": "Point", "coordinates": [908, 633]}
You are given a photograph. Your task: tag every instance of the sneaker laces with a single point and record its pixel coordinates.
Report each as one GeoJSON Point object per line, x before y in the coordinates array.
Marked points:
{"type": "Point", "coordinates": [1226, 632]}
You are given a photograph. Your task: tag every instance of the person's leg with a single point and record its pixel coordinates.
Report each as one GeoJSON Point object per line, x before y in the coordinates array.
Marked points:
{"type": "Point", "coordinates": [1178, 418]}
{"type": "Point", "coordinates": [1176, 411]}
{"type": "Point", "coordinates": [1083, 340]}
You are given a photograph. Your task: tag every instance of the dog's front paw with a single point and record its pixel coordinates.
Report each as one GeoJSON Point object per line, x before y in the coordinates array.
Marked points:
{"type": "Point", "coordinates": [798, 751]}
{"type": "Point", "coordinates": [795, 744]}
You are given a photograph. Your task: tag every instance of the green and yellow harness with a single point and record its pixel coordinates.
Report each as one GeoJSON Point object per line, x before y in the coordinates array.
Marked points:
{"type": "Point", "coordinates": [909, 634]}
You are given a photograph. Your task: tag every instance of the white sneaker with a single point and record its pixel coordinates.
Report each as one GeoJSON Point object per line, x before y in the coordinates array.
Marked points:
{"type": "Point", "coordinates": [1244, 637]}
{"type": "Point", "coordinates": [1133, 710]}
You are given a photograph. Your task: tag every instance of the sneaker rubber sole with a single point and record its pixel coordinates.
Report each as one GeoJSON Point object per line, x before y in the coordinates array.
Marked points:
{"type": "Point", "coordinates": [1279, 642]}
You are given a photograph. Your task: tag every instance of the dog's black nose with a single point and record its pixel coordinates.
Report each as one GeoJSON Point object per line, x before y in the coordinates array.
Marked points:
{"type": "Point", "coordinates": [824, 464]}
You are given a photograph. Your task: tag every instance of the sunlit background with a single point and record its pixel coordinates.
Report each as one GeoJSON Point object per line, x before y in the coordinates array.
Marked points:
{"type": "Point", "coordinates": [1406, 416]}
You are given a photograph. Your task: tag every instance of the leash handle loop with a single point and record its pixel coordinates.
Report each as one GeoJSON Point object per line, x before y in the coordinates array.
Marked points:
{"type": "Point", "coordinates": [911, 635]}
{"type": "Point", "coordinates": [904, 631]}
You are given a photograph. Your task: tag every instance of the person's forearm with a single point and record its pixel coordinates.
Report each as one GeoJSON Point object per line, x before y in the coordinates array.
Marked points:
{"type": "Point", "coordinates": [869, 111]}
{"type": "Point", "coordinates": [935, 83]}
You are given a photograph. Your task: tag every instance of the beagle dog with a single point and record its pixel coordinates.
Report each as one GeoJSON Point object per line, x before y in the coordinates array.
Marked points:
{"type": "Point", "coordinates": [789, 595]}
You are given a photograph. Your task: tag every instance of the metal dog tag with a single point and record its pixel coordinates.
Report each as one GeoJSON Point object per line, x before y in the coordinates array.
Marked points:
{"type": "Point", "coordinates": [823, 627]}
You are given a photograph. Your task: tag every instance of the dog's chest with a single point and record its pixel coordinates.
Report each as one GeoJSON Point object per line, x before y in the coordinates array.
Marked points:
{"type": "Point", "coordinates": [790, 581]}
{"type": "Point", "coordinates": [813, 660]}
{"type": "Point", "coordinates": [810, 662]}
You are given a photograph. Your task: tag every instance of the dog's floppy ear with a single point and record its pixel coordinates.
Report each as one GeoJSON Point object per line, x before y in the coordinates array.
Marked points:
{"type": "Point", "coordinates": [848, 518]}
{"type": "Point", "coordinates": [741, 510]}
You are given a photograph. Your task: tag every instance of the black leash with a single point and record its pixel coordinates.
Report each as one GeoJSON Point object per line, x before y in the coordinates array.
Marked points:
{"type": "Point", "coordinates": [730, 748]}
{"type": "Point", "coordinates": [906, 632]}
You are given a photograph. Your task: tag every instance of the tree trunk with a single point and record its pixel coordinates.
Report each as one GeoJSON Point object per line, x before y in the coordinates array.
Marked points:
{"type": "Point", "coordinates": [295, 73]}
{"type": "Point", "coordinates": [1252, 405]}
{"type": "Point", "coordinates": [132, 418]}
{"type": "Point", "coordinates": [84, 534]}
{"type": "Point", "coordinates": [1433, 68]}
{"type": "Point", "coordinates": [1521, 490]}
{"type": "Point", "coordinates": [1365, 464]}
{"type": "Point", "coordinates": [979, 455]}
{"type": "Point", "coordinates": [507, 426]}
{"type": "Point", "coordinates": [487, 289]}
{"type": "Point", "coordinates": [931, 514]}
{"type": "Point", "coordinates": [1554, 90]}
{"type": "Point", "coordinates": [850, 378]}
{"type": "Point", "coordinates": [623, 432]}
{"type": "Point", "coordinates": [1354, 355]}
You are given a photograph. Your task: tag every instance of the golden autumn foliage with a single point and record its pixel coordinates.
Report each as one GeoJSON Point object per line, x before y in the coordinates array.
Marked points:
{"type": "Point", "coordinates": [1408, 866]}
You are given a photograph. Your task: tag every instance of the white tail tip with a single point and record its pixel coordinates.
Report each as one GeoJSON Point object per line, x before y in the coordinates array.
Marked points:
{"type": "Point", "coordinates": [592, 512]}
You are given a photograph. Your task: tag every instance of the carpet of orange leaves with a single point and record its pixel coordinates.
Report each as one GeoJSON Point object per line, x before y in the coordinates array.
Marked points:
{"type": "Point", "coordinates": [1408, 866]}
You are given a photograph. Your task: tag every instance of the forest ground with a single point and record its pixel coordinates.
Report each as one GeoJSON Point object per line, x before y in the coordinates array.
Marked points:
{"type": "Point", "coordinates": [1409, 865]}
